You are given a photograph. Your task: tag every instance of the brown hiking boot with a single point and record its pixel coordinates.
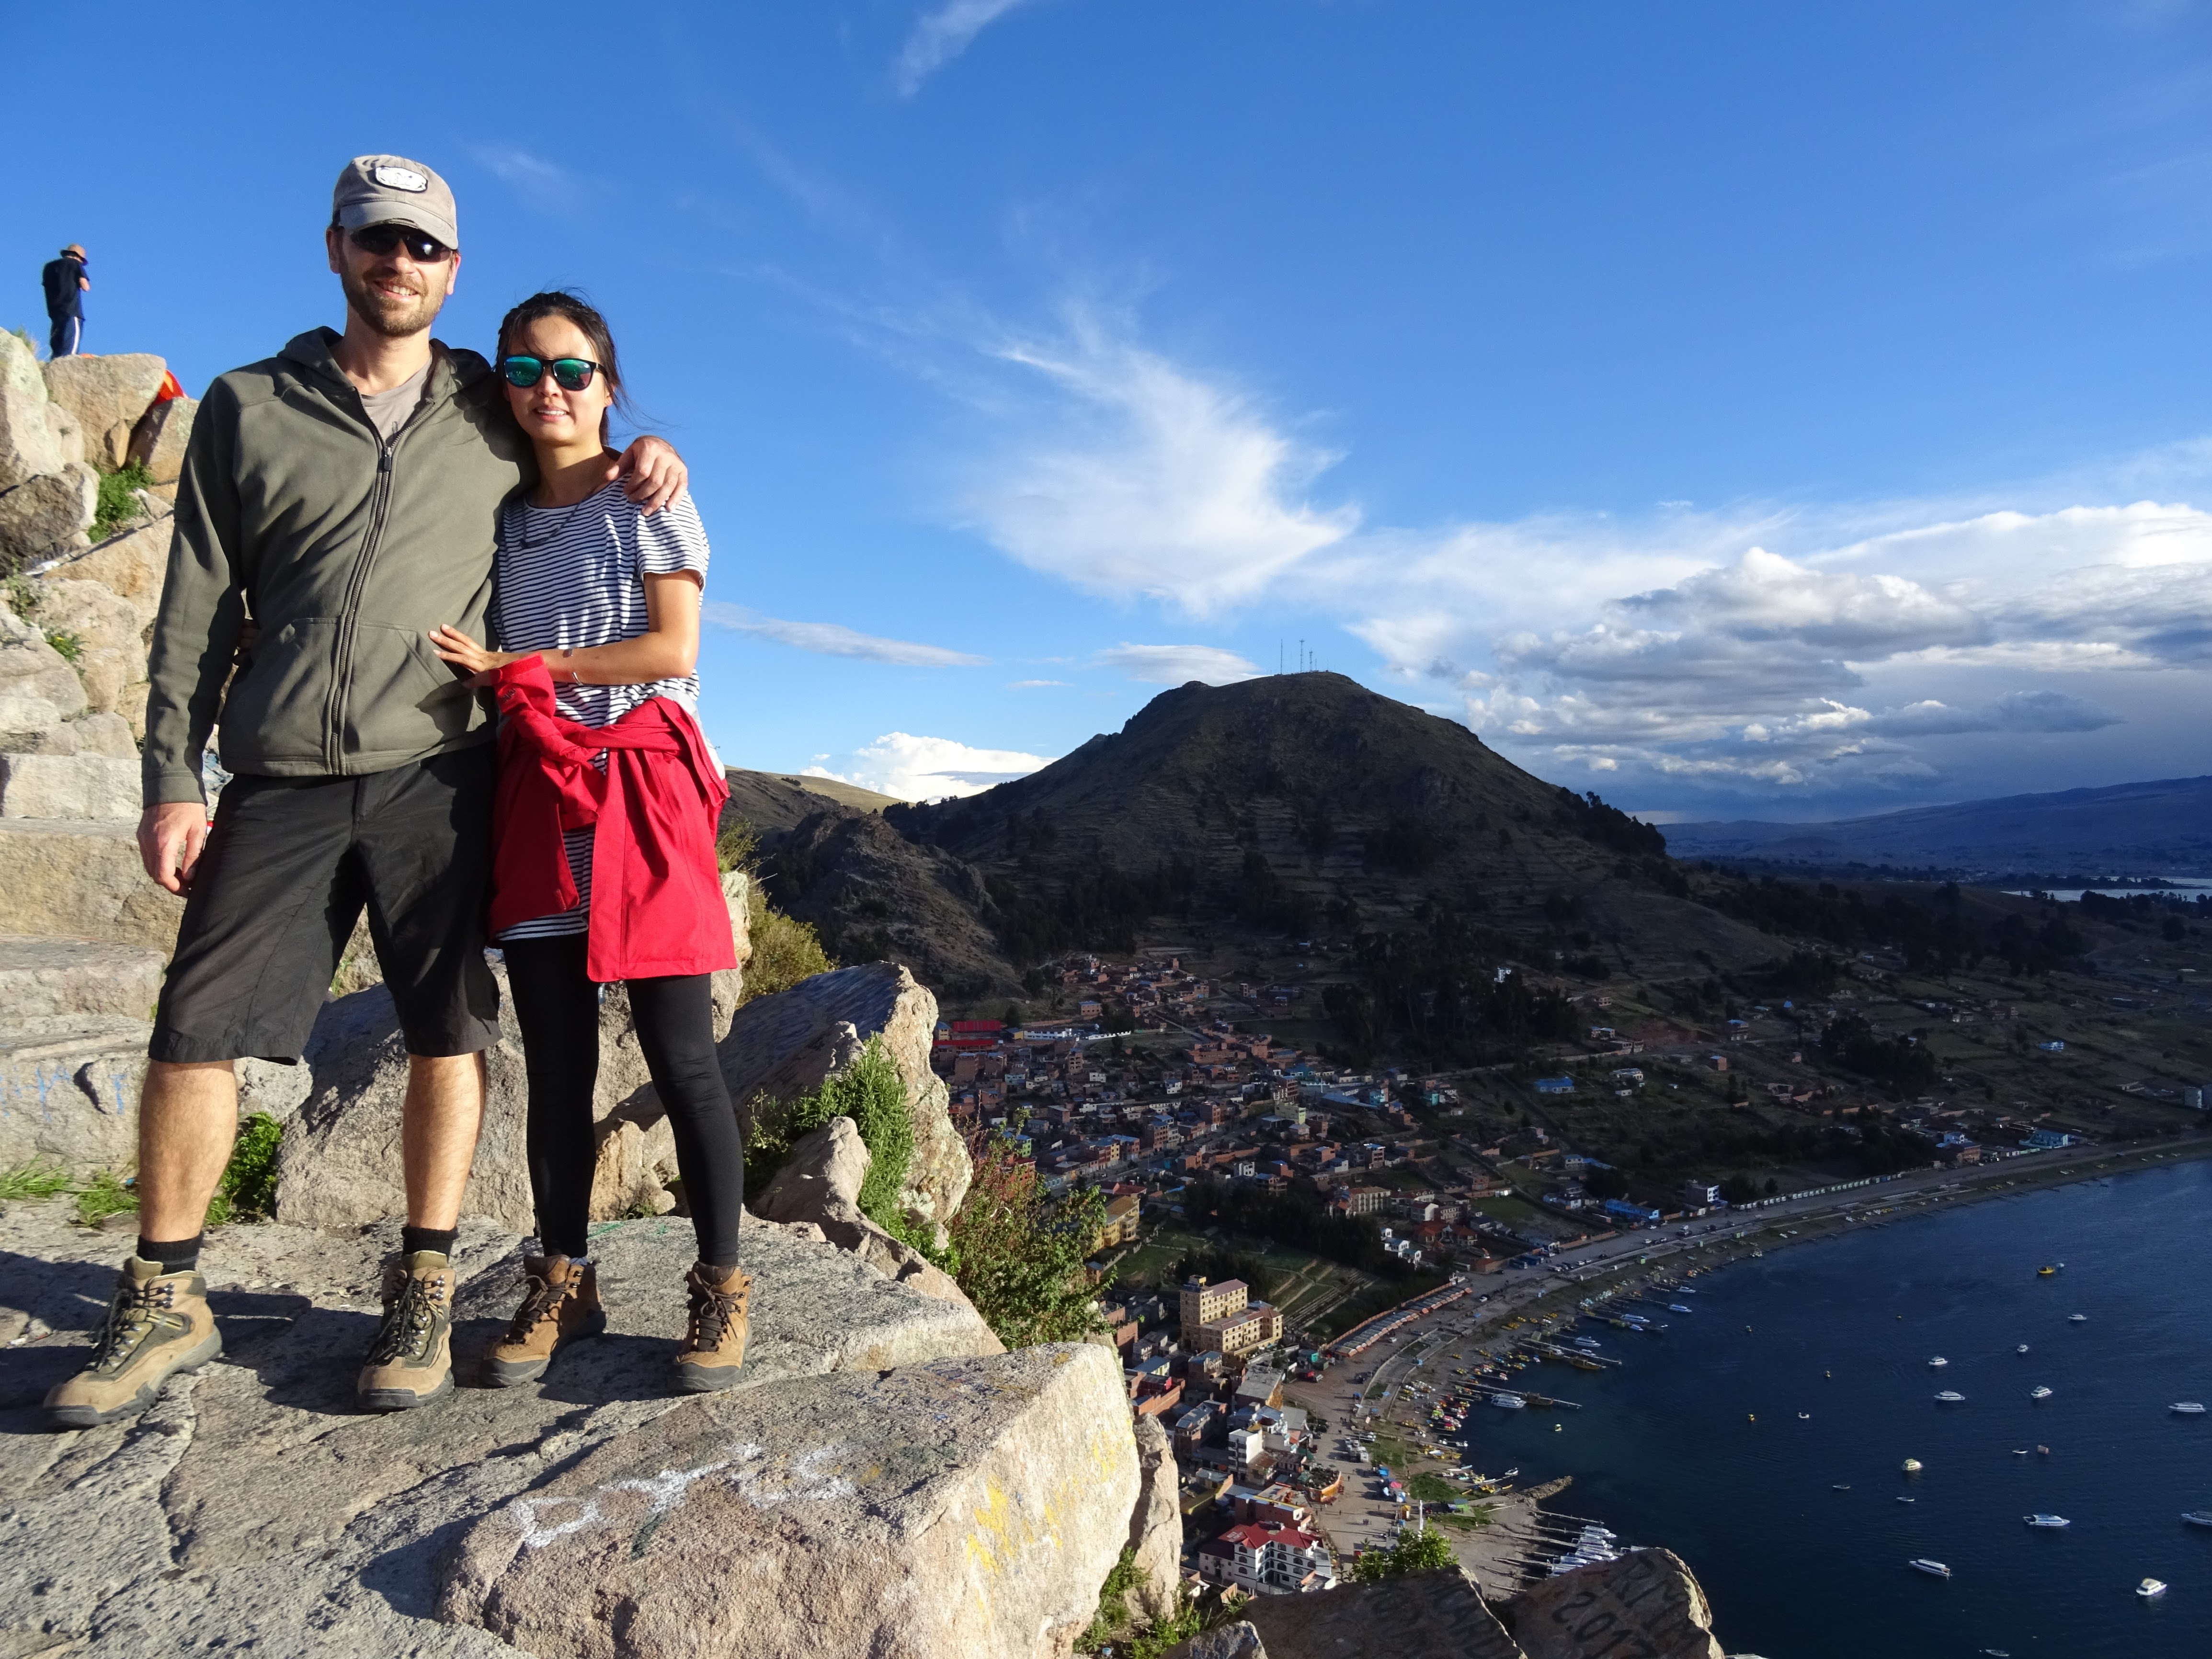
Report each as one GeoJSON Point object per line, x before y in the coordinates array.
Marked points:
{"type": "Point", "coordinates": [411, 1362]}
{"type": "Point", "coordinates": [157, 1325]}
{"type": "Point", "coordinates": [562, 1302]}
{"type": "Point", "coordinates": [714, 1344]}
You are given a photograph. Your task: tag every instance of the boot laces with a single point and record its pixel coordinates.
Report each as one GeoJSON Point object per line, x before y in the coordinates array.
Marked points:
{"type": "Point", "coordinates": [544, 1303]}
{"type": "Point", "coordinates": [409, 1321]}
{"type": "Point", "coordinates": [135, 1313]}
{"type": "Point", "coordinates": [712, 1312]}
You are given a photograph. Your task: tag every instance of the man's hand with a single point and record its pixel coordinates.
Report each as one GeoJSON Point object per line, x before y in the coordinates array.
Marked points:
{"type": "Point", "coordinates": [652, 472]}
{"type": "Point", "coordinates": [170, 837]}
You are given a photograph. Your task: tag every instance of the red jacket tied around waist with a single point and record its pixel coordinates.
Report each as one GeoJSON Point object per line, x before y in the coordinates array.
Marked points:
{"type": "Point", "coordinates": [657, 905]}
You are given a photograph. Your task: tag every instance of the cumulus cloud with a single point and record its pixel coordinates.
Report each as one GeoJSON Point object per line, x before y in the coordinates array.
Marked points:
{"type": "Point", "coordinates": [835, 639]}
{"type": "Point", "coordinates": [942, 35]}
{"type": "Point", "coordinates": [1150, 479]}
{"type": "Point", "coordinates": [929, 768]}
{"type": "Point", "coordinates": [1178, 665]}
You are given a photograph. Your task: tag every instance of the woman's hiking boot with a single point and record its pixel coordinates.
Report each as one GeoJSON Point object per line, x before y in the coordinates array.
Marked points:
{"type": "Point", "coordinates": [562, 1303]}
{"type": "Point", "coordinates": [411, 1362]}
{"type": "Point", "coordinates": [715, 1343]}
{"type": "Point", "coordinates": [158, 1324]}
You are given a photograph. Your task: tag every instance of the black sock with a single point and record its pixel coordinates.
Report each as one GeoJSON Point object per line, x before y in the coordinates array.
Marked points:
{"type": "Point", "coordinates": [440, 1239]}
{"type": "Point", "coordinates": [182, 1257]}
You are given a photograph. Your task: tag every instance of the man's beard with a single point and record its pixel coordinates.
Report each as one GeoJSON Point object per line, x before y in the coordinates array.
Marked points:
{"type": "Point", "coordinates": [394, 319]}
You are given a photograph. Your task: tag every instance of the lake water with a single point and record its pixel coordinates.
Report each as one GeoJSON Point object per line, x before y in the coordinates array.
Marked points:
{"type": "Point", "coordinates": [1664, 1452]}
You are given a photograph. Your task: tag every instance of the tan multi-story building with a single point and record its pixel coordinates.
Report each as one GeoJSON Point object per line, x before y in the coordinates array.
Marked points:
{"type": "Point", "coordinates": [1254, 1326]}
{"type": "Point", "coordinates": [1123, 1215]}
{"type": "Point", "coordinates": [1203, 1304]}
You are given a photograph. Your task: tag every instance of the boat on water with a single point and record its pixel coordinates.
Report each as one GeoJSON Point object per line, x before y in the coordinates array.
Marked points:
{"type": "Point", "coordinates": [1511, 1402]}
{"type": "Point", "coordinates": [2151, 1587]}
{"type": "Point", "coordinates": [1908, 1500]}
{"type": "Point", "coordinates": [1932, 1569]}
{"type": "Point", "coordinates": [1952, 1397]}
{"type": "Point", "coordinates": [2077, 1319]}
{"type": "Point", "coordinates": [1937, 1363]}
{"type": "Point", "coordinates": [2188, 1407]}
{"type": "Point", "coordinates": [1845, 1488]}
{"type": "Point", "coordinates": [2051, 1522]}
{"type": "Point", "coordinates": [1676, 1307]}
{"type": "Point", "coordinates": [2197, 1517]}
{"type": "Point", "coordinates": [2021, 1349]}
{"type": "Point", "coordinates": [1913, 1466]}
{"type": "Point", "coordinates": [2044, 1272]}
{"type": "Point", "coordinates": [2039, 1392]}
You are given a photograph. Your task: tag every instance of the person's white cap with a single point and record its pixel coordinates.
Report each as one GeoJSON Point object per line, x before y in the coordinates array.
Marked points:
{"type": "Point", "coordinates": [391, 190]}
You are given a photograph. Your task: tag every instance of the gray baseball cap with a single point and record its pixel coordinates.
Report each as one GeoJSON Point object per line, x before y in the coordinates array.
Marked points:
{"type": "Point", "coordinates": [391, 190]}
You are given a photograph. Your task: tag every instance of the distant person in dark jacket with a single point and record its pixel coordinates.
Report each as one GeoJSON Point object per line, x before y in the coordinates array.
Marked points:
{"type": "Point", "coordinates": [66, 284]}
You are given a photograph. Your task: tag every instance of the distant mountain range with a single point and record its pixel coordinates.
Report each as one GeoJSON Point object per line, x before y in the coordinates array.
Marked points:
{"type": "Point", "coordinates": [2157, 829]}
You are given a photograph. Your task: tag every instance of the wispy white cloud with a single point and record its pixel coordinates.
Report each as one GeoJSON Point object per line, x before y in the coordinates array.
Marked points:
{"type": "Point", "coordinates": [929, 768]}
{"type": "Point", "coordinates": [548, 183]}
{"type": "Point", "coordinates": [835, 639]}
{"type": "Point", "coordinates": [1178, 665]}
{"type": "Point", "coordinates": [942, 35]}
{"type": "Point", "coordinates": [1025, 685]}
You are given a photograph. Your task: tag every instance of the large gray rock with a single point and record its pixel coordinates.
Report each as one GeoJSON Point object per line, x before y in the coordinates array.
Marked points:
{"type": "Point", "coordinates": [82, 878]}
{"type": "Point", "coordinates": [28, 446]}
{"type": "Point", "coordinates": [157, 442]}
{"type": "Point", "coordinates": [1156, 1524]}
{"type": "Point", "coordinates": [131, 565]}
{"type": "Point", "coordinates": [1647, 1603]}
{"type": "Point", "coordinates": [111, 648]}
{"type": "Point", "coordinates": [1421, 1615]}
{"type": "Point", "coordinates": [958, 1508]}
{"type": "Point", "coordinates": [46, 515]}
{"type": "Point", "coordinates": [256, 1505]}
{"type": "Point", "coordinates": [1239, 1641]}
{"type": "Point", "coordinates": [69, 1090]}
{"type": "Point", "coordinates": [19, 368]}
{"type": "Point", "coordinates": [339, 1168]}
{"type": "Point", "coordinates": [44, 978]}
{"type": "Point", "coordinates": [106, 395]}
{"type": "Point", "coordinates": [78, 786]}
{"type": "Point", "coordinates": [820, 1186]}
{"type": "Point", "coordinates": [29, 668]}
{"type": "Point", "coordinates": [782, 1047]}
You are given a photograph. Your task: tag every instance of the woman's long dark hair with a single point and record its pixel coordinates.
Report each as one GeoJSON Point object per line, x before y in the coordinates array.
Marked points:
{"type": "Point", "coordinates": [571, 307]}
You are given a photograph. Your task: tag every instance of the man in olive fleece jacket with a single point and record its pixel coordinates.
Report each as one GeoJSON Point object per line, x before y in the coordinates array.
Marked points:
{"type": "Point", "coordinates": [338, 502]}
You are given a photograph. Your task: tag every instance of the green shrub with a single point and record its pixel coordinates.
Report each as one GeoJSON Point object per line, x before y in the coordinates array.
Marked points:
{"type": "Point", "coordinates": [248, 1191]}
{"type": "Point", "coordinates": [106, 1194]}
{"type": "Point", "coordinates": [69, 645]}
{"type": "Point", "coordinates": [23, 596]}
{"type": "Point", "coordinates": [1018, 1255]}
{"type": "Point", "coordinates": [785, 951]}
{"type": "Point", "coordinates": [1417, 1551]}
{"type": "Point", "coordinates": [118, 506]}
{"type": "Point", "coordinates": [33, 1180]}
{"type": "Point", "coordinates": [871, 1093]}
{"type": "Point", "coordinates": [1111, 1622]}
{"type": "Point", "coordinates": [737, 845]}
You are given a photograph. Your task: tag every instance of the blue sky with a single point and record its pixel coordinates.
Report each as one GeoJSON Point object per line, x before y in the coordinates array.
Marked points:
{"type": "Point", "coordinates": [1741, 410]}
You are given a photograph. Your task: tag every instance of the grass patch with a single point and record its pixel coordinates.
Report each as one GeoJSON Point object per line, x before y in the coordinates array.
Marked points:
{"type": "Point", "coordinates": [106, 1194]}
{"type": "Point", "coordinates": [1111, 1623]}
{"type": "Point", "coordinates": [68, 646]}
{"type": "Point", "coordinates": [1432, 1489]}
{"type": "Point", "coordinates": [118, 506]}
{"type": "Point", "coordinates": [1474, 1521]}
{"type": "Point", "coordinates": [1391, 1452]}
{"type": "Point", "coordinates": [248, 1191]}
{"type": "Point", "coordinates": [33, 1180]}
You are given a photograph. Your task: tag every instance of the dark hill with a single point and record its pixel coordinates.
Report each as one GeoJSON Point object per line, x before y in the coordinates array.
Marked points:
{"type": "Point", "coordinates": [1292, 804]}
{"type": "Point", "coordinates": [2157, 828]}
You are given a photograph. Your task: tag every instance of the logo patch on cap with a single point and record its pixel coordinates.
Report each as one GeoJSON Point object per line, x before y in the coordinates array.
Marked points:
{"type": "Point", "coordinates": [400, 178]}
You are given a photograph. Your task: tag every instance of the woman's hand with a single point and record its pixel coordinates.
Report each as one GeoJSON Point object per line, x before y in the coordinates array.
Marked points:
{"type": "Point", "coordinates": [653, 473]}
{"type": "Point", "coordinates": [457, 648]}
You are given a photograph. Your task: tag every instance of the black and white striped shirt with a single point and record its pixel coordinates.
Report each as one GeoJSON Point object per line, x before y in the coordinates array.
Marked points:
{"type": "Point", "coordinates": [570, 577]}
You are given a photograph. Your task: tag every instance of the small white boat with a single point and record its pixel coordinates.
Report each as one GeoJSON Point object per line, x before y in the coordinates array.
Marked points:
{"type": "Point", "coordinates": [2039, 1392]}
{"type": "Point", "coordinates": [1511, 1402]}
{"type": "Point", "coordinates": [2077, 1319]}
{"type": "Point", "coordinates": [1676, 1307]}
{"type": "Point", "coordinates": [1937, 1570]}
{"type": "Point", "coordinates": [2151, 1587]}
{"type": "Point", "coordinates": [1937, 1363]}
{"type": "Point", "coordinates": [2021, 1349]}
{"type": "Point", "coordinates": [2048, 1521]}
{"type": "Point", "coordinates": [2189, 1408]}
{"type": "Point", "coordinates": [1911, 1465]}
{"type": "Point", "coordinates": [2198, 1517]}
{"type": "Point", "coordinates": [1952, 1397]}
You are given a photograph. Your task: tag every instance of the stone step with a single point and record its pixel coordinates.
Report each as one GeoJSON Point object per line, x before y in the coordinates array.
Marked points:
{"type": "Point", "coordinates": [69, 1089]}
{"type": "Point", "coordinates": [97, 788]}
{"type": "Point", "coordinates": [81, 878]}
{"type": "Point", "coordinates": [47, 977]}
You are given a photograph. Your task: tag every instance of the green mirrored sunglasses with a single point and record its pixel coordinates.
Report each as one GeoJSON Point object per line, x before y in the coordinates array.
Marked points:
{"type": "Point", "coordinates": [570, 374]}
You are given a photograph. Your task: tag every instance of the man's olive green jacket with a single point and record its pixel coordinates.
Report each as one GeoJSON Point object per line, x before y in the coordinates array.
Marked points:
{"type": "Point", "coordinates": [346, 551]}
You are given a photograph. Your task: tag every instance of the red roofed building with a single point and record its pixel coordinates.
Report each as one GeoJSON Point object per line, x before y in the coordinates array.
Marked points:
{"type": "Point", "coordinates": [1269, 1558]}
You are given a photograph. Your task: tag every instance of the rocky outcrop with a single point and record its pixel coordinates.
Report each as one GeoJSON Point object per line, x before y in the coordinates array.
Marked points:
{"type": "Point", "coordinates": [79, 878]}
{"type": "Point", "coordinates": [820, 1187]}
{"type": "Point", "coordinates": [1646, 1602]}
{"type": "Point", "coordinates": [108, 397]}
{"type": "Point", "coordinates": [782, 1047]}
{"type": "Point", "coordinates": [959, 1508]}
{"type": "Point", "coordinates": [1422, 1615]}
{"type": "Point", "coordinates": [1156, 1525]}
{"type": "Point", "coordinates": [157, 442]}
{"type": "Point", "coordinates": [255, 1504]}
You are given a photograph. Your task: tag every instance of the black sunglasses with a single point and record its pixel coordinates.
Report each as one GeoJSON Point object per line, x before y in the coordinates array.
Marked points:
{"type": "Point", "coordinates": [570, 374]}
{"type": "Point", "coordinates": [381, 240]}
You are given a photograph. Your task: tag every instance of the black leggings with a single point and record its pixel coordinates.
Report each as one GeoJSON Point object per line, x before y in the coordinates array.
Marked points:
{"type": "Point", "coordinates": [558, 1008]}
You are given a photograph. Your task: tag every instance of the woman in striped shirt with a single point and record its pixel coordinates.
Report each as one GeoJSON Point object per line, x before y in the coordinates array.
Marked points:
{"type": "Point", "coordinates": [604, 599]}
